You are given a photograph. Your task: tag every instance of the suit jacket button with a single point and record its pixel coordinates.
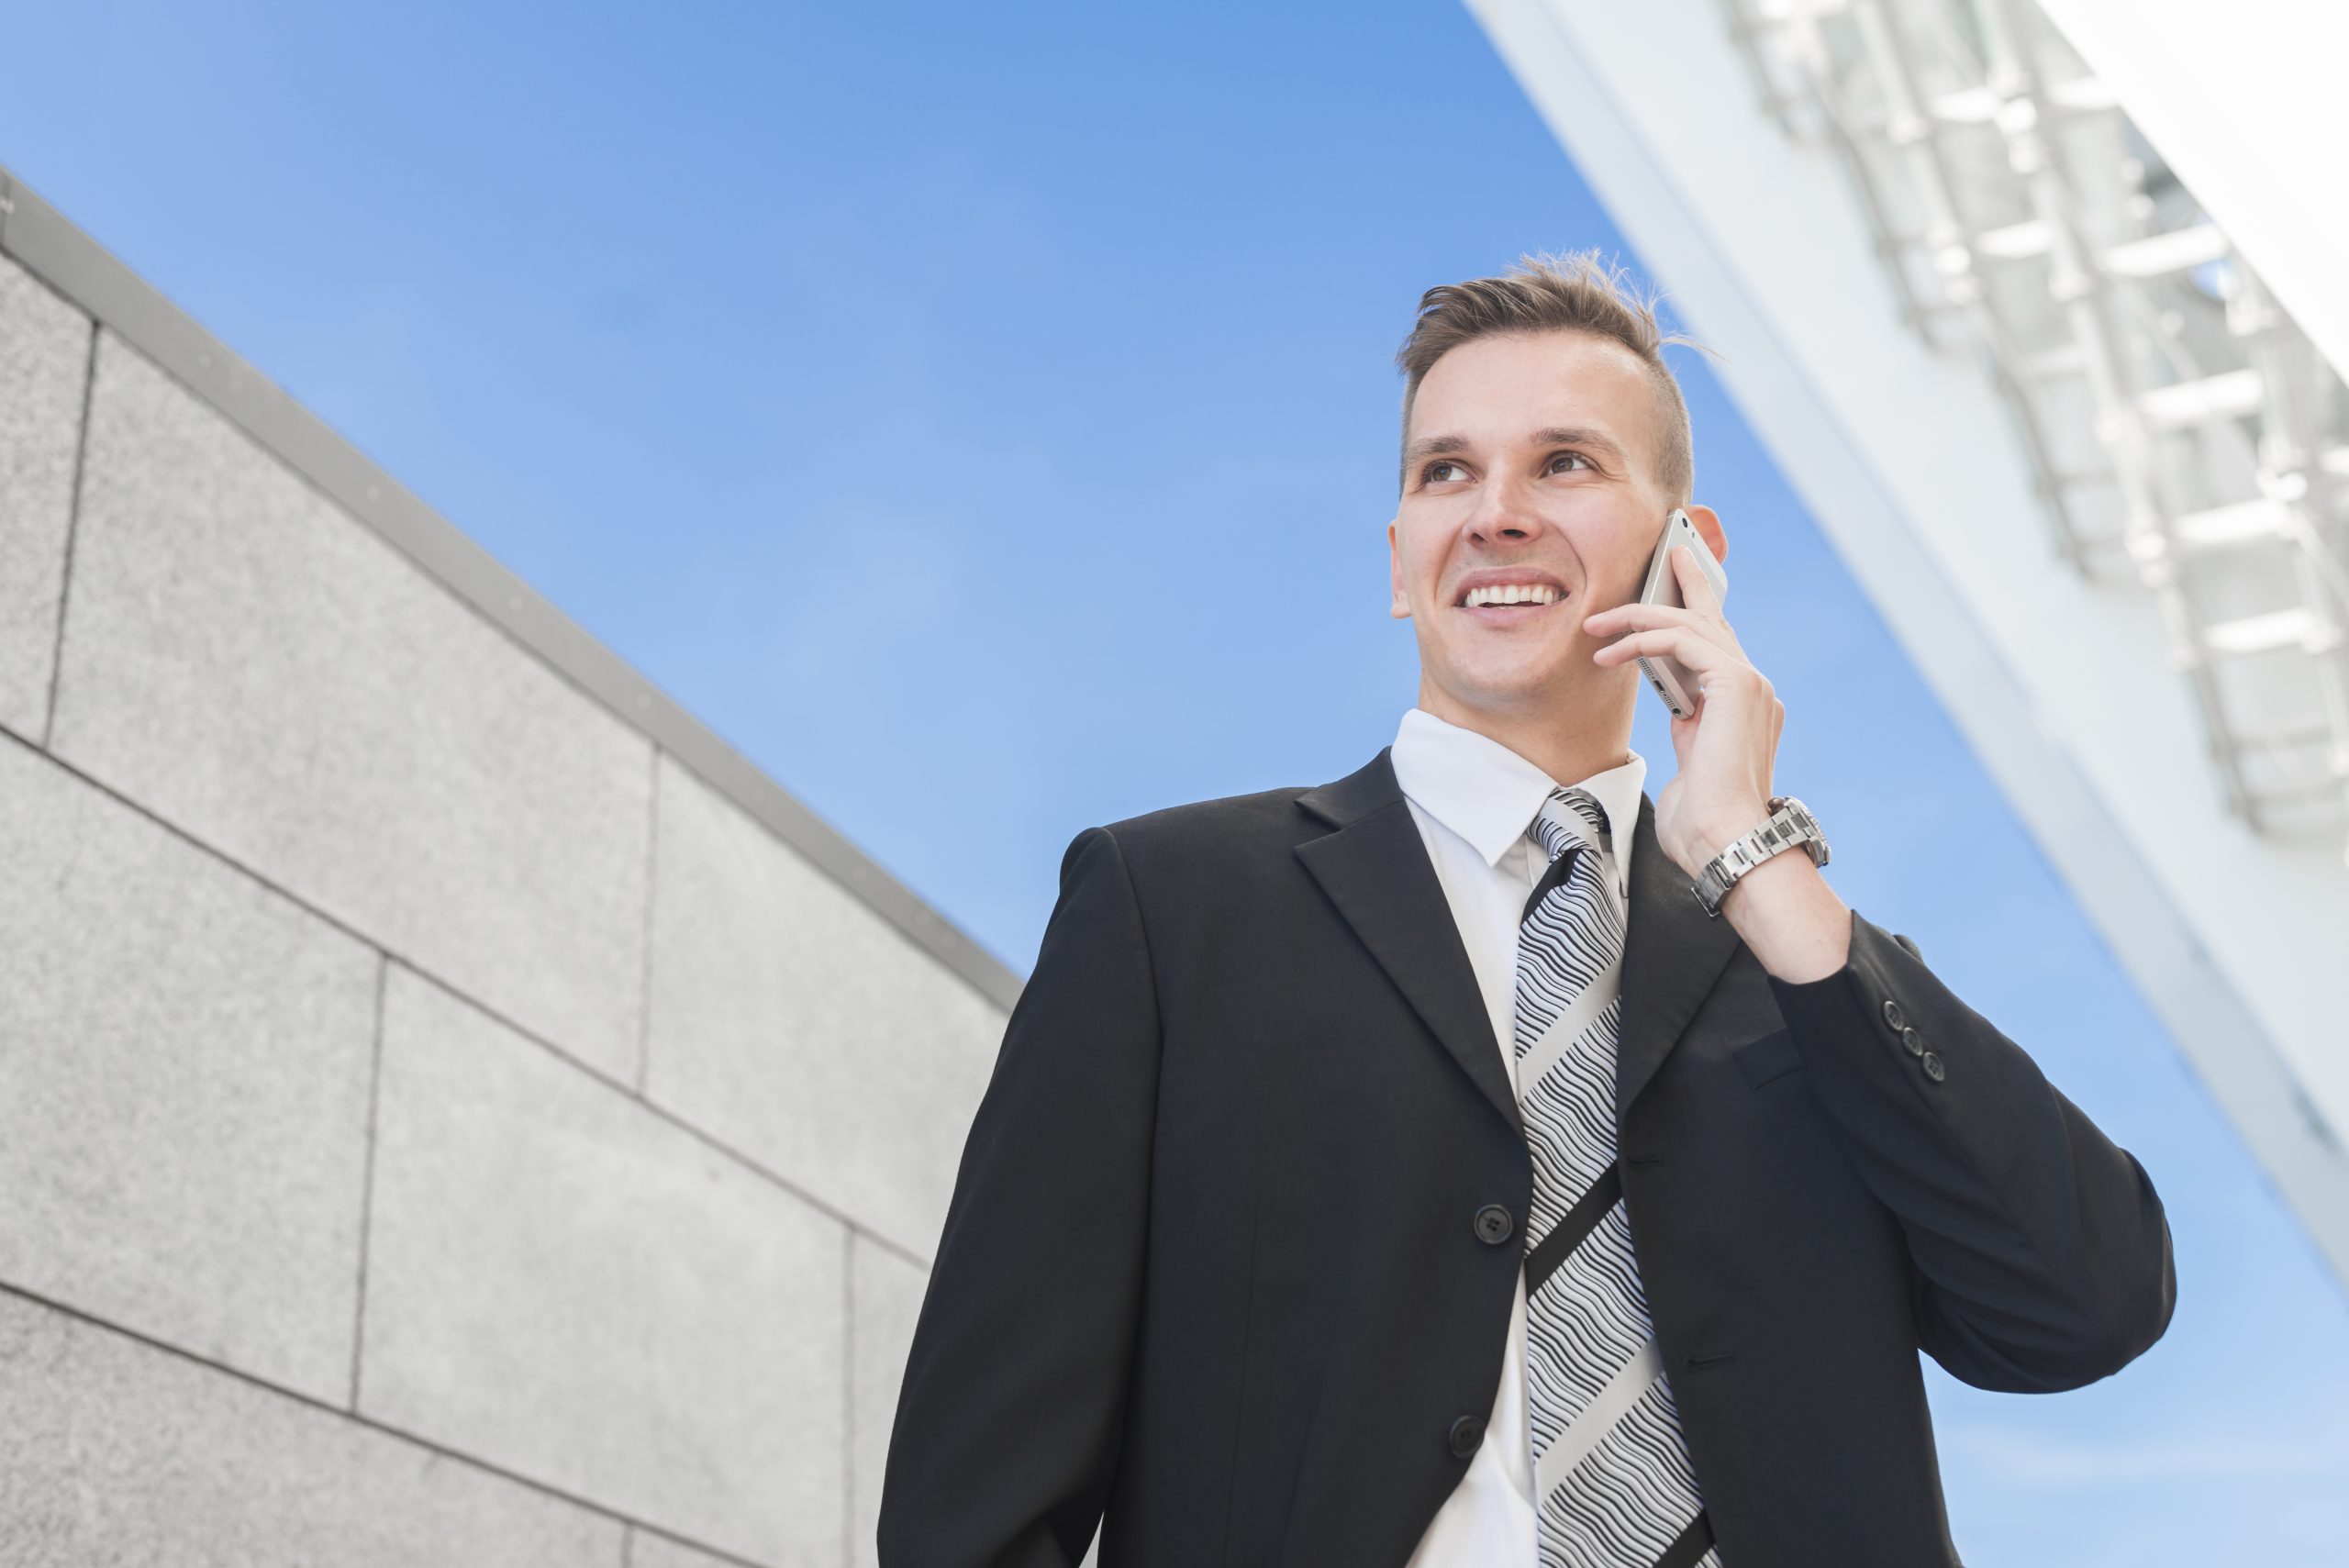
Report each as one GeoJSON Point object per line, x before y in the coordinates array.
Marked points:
{"type": "Point", "coordinates": [1467, 1433]}
{"type": "Point", "coordinates": [1493, 1224]}
{"type": "Point", "coordinates": [1892, 1016]}
{"type": "Point", "coordinates": [1933, 1066]}
{"type": "Point", "coordinates": [1913, 1042]}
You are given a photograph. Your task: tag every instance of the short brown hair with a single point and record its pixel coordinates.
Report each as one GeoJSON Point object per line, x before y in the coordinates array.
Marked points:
{"type": "Point", "coordinates": [1544, 293]}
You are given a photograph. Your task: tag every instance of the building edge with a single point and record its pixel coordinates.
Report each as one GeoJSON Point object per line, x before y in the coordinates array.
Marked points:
{"type": "Point", "coordinates": [42, 241]}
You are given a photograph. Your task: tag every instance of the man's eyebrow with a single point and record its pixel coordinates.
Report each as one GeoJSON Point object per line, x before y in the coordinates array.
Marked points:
{"type": "Point", "coordinates": [1554, 436]}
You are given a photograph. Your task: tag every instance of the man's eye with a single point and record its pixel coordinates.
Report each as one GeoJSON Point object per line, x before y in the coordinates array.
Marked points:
{"type": "Point", "coordinates": [1431, 474]}
{"type": "Point", "coordinates": [1577, 456]}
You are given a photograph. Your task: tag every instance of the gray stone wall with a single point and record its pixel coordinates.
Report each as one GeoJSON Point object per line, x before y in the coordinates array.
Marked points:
{"type": "Point", "coordinates": [446, 1115]}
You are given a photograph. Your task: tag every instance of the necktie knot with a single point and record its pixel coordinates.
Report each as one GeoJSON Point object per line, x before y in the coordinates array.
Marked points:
{"type": "Point", "coordinates": [1570, 817]}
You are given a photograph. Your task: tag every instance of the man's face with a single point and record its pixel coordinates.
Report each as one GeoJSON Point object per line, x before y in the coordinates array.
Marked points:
{"type": "Point", "coordinates": [1530, 460]}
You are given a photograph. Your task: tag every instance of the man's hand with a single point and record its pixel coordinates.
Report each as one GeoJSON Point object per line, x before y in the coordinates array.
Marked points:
{"type": "Point", "coordinates": [1726, 752]}
{"type": "Point", "coordinates": [1783, 908]}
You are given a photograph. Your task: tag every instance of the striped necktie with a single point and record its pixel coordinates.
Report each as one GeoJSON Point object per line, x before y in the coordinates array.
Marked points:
{"type": "Point", "coordinates": [1613, 1485]}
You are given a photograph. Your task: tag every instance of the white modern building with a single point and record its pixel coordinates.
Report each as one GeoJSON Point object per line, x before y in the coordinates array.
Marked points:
{"type": "Point", "coordinates": [2039, 306]}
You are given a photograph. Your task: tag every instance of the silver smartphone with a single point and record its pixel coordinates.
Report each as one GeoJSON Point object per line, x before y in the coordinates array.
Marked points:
{"type": "Point", "coordinates": [1673, 681]}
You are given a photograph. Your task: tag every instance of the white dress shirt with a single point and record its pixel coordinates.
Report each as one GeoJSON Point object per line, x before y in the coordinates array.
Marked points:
{"type": "Point", "coordinates": [1473, 798]}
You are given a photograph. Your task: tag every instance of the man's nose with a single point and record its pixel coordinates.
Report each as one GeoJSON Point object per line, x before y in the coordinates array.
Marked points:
{"type": "Point", "coordinates": [1504, 508]}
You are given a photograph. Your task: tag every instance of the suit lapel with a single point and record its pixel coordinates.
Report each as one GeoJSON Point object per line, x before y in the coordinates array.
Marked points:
{"type": "Point", "coordinates": [1673, 954]}
{"type": "Point", "coordinates": [1375, 870]}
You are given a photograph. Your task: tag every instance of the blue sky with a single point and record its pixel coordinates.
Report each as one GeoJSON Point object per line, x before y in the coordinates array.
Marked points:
{"type": "Point", "coordinates": [986, 424]}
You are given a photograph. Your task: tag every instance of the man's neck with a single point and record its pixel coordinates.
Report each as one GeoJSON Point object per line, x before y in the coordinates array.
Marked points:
{"type": "Point", "coordinates": [1569, 740]}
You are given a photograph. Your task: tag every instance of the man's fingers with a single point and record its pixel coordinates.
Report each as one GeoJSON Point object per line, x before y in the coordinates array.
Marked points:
{"type": "Point", "coordinates": [1696, 588]}
{"type": "Point", "coordinates": [1686, 643]}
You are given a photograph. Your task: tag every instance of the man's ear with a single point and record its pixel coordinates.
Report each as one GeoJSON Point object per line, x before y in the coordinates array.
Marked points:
{"type": "Point", "coordinates": [1401, 607]}
{"type": "Point", "coordinates": [1708, 529]}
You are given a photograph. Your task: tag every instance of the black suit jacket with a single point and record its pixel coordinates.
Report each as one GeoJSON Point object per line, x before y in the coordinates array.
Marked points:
{"type": "Point", "coordinates": [1211, 1279]}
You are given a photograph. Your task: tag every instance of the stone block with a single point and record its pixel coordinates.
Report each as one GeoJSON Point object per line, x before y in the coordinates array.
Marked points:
{"type": "Point", "coordinates": [647, 1550]}
{"type": "Point", "coordinates": [115, 1453]}
{"type": "Point", "coordinates": [44, 356]}
{"type": "Point", "coordinates": [184, 1066]}
{"type": "Point", "coordinates": [885, 1293]}
{"type": "Point", "coordinates": [568, 1286]}
{"type": "Point", "coordinates": [255, 666]}
{"type": "Point", "coordinates": [796, 1025]}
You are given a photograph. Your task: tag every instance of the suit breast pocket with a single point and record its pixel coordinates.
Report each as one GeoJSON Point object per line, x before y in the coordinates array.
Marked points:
{"type": "Point", "coordinates": [1773, 1056]}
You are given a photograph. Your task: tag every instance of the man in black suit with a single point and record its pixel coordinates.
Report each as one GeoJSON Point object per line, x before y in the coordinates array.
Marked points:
{"type": "Point", "coordinates": [1239, 1261]}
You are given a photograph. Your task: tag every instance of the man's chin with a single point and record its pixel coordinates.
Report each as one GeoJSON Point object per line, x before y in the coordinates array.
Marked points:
{"type": "Point", "coordinates": [1502, 685]}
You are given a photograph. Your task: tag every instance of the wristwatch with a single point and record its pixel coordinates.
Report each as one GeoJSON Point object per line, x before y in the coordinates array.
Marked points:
{"type": "Point", "coordinates": [1789, 823]}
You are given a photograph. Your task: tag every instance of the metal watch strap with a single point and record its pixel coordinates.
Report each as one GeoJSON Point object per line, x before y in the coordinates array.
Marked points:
{"type": "Point", "coordinates": [1789, 823]}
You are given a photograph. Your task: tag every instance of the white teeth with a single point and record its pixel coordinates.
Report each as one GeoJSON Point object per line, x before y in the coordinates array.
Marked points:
{"type": "Point", "coordinates": [1514, 594]}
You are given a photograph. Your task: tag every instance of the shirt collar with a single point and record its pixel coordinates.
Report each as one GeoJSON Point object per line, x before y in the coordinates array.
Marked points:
{"type": "Point", "coordinates": [1488, 793]}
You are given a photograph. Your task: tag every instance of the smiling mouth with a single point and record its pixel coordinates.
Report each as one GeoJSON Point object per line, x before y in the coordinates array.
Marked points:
{"type": "Point", "coordinates": [1513, 613]}
{"type": "Point", "coordinates": [1506, 615]}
